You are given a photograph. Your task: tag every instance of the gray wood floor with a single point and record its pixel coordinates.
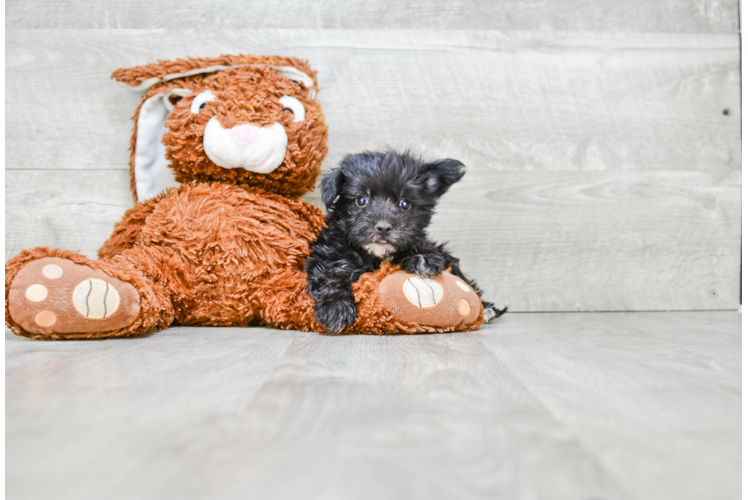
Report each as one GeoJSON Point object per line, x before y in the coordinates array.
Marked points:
{"type": "Point", "coordinates": [535, 406]}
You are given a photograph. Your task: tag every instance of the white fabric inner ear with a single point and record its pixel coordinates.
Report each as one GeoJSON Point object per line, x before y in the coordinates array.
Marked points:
{"type": "Point", "coordinates": [289, 72]}
{"type": "Point", "coordinates": [146, 84]}
{"type": "Point", "coordinates": [295, 75]}
{"type": "Point", "coordinates": [152, 172]}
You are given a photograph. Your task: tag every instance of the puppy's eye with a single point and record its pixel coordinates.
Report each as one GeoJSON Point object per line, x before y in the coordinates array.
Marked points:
{"type": "Point", "coordinates": [405, 204]}
{"type": "Point", "coordinates": [294, 106]}
{"type": "Point", "coordinates": [200, 100]}
{"type": "Point", "coordinates": [361, 201]}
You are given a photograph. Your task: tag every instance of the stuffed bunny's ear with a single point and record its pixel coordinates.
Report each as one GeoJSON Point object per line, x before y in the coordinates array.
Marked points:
{"type": "Point", "coordinates": [141, 78]}
{"type": "Point", "coordinates": [150, 167]}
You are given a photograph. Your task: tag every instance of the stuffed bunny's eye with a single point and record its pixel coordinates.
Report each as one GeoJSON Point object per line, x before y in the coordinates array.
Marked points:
{"type": "Point", "coordinates": [198, 103]}
{"type": "Point", "coordinates": [294, 106]}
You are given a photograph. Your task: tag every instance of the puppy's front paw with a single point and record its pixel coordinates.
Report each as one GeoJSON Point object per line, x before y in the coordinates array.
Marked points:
{"type": "Point", "coordinates": [490, 312]}
{"type": "Point", "coordinates": [425, 265]}
{"type": "Point", "coordinates": [336, 315]}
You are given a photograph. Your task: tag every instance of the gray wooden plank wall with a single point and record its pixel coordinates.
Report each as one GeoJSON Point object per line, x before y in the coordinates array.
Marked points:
{"type": "Point", "coordinates": [637, 16]}
{"type": "Point", "coordinates": [602, 139]}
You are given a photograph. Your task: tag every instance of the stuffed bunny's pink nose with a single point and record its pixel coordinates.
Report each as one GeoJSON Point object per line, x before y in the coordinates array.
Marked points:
{"type": "Point", "coordinates": [244, 135]}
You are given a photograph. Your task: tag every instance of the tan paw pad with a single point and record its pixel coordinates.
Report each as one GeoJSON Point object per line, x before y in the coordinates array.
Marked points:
{"type": "Point", "coordinates": [463, 306]}
{"type": "Point", "coordinates": [45, 319]}
{"type": "Point", "coordinates": [36, 293]}
{"type": "Point", "coordinates": [422, 292]}
{"type": "Point", "coordinates": [95, 299]}
{"type": "Point", "coordinates": [52, 271]}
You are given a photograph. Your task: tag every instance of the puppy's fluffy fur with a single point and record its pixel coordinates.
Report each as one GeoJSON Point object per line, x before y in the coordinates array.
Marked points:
{"type": "Point", "coordinates": [379, 206]}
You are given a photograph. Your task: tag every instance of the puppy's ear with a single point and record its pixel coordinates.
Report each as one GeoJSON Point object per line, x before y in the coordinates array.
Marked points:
{"type": "Point", "coordinates": [441, 174]}
{"type": "Point", "coordinates": [331, 186]}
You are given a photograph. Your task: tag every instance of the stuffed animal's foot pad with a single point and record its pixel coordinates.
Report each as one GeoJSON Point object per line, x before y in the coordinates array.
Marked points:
{"type": "Point", "coordinates": [441, 301]}
{"type": "Point", "coordinates": [56, 296]}
{"type": "Point", "coordinates": [95, 299]}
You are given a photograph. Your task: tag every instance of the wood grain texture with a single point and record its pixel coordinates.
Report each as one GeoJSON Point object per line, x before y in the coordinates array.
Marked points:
{"type": "Point", "coordinates": [603, 168]}
{"type": "Point", "coordinates": [73, 210]}
{"type": "Point", "coordinates": [569, 241]}
{"type": "Point", "coordinates": [598, 241]}
{"type": "Point", "coordinates": [543, 406]}
{"type": "Point", "coordinates": [652, 395]}
{"type": "Point", "coordinates": [682, 16]}
{"type": "Point", "coordinates": [496, 101]}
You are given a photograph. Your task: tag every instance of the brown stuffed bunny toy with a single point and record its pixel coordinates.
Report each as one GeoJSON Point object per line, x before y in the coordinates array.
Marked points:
{"type": "Point", "coordinates": [222, 150]}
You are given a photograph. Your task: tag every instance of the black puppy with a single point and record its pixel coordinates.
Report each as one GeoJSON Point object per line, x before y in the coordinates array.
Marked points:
{"type": "Point", "coordinates": [379, 206]}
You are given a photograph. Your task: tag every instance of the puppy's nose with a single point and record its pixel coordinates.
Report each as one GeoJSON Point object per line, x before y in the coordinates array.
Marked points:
{"type": "Point", "coordinates": [383, 227]}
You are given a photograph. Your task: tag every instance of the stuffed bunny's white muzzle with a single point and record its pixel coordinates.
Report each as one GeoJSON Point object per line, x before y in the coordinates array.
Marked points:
{"type": "Point", "coordinates": [257, 149]}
